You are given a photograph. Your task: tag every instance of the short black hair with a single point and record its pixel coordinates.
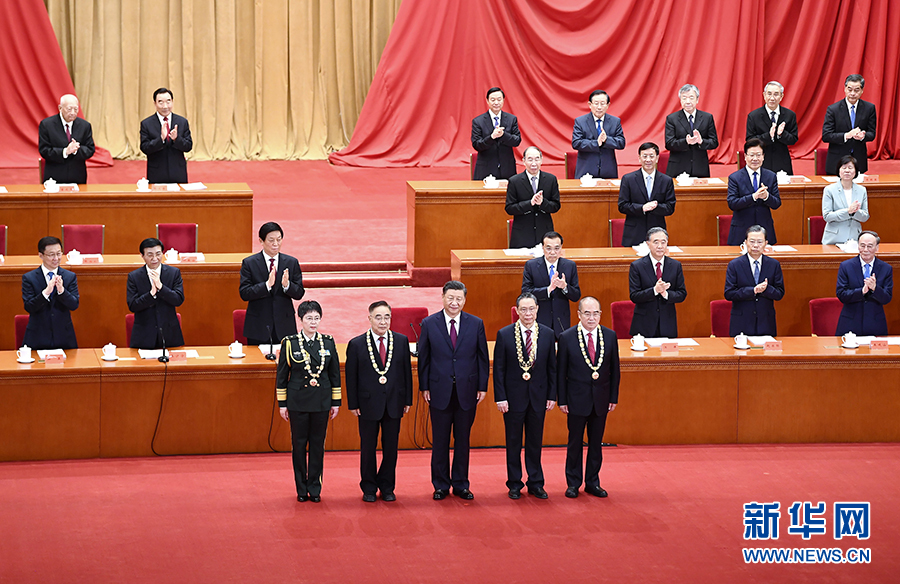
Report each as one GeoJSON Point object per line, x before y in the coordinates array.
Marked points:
{"type": "Point", "coordinates": [525, 296]}
{"type": "Point", "coordinates": [378, 303]}
{"type": "Point", "coordinates": [308, 306]}
{"type": "Point", "coordinates": [151, 242]}
{"type": "Point", "coordinates": [454, 285]}
{"type": "Point", "coordinates": [525, 152]}
{"type": "Point", "coordinates": [552, 235]}
{"type": "Point", "coordinates": [162, 90]}
{"type": "Point", "coordinates": [599, 92]}
{"type": "Point", "coordinates": [648, 146]}
{"type": "Point", "coordinates": [49, 240]}
{"type": "Point", "coordinates": [752, 143]}
{"type": "Point", "coordinates": [855, 78]}
{"type": "Point", "coordinates": [846, 159]}
{"type": "Point", "coordinates": [494, 90]}
{"type": "Point", "coordinates": [873, 234]}
{"type": "Point", "coordinates": [268, 228]}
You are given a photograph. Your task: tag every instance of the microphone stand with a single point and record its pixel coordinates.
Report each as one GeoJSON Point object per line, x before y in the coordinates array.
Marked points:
{"type": "Point", "coordinates": [270, 356]}
{"type": "Point", "coordinates": [416, 335]}
{"type": "Point", "coordinates": [164, 358]}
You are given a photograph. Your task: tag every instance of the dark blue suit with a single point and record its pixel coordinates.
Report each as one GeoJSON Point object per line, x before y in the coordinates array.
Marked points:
{"type": "Point", "coordinates": [654, 316]}
{"type": "Point", "coordinates": [495, 157]}
{"type": "Point", "coordinates": [598, 161]}
{"type": "Point", "coordinates": [155, 319]}
{"type": "Point", "coordinates": [527, 401]}
{"type": "Point", "coordinates": [746, 211]}
{"type": "Point", "coordinates": [454, 377]}
{"type": "Point", "coordinates": [553, 309]}
{"type": "Point", "coordinates": [863, 314]}
{"type": "Point", "coordinates": [837, 123]}
{"type": "Point", "coordinates": [165, 160]}
{"type": "Point", "coordinates": [50, 320]}
{"type": "Point", "coordinates": [753, 314]}
{"type": "Point", "coordinates": [632, 198]}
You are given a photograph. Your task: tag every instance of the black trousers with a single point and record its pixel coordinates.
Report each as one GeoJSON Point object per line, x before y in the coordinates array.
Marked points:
{"type": "Point", "coordinates": [457, 421]}
{"type": "Point", "coordinates": [308, 429]}
{"type": "Point", "coordinates": [533, 424]}
{"type": "Point", "coordinates": [596, 425]}
{"type": "Point", "coordinates": [382, 478]}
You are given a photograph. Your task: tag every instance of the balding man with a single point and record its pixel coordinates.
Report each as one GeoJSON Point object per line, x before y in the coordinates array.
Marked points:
{"type": "Point", "coordinates": [531, 197]}
{"type": "Point", "coordinates": [65, 142]}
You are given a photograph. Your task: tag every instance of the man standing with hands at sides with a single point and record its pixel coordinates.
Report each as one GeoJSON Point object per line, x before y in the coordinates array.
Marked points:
{"type": "Point", "coordinates": [588, 385]}
{"type": "Point", "coordinates": [753, 283]}
{"type": "Point", "coordinates": [153, 292]}
{"type": "Point", "coordinates": [65, 141]}
{"type": "Point", "coordinates": [656, 284]}
{"type": "Point", "coordinates": [553, 280]}
{"type": "Point", "coordinates": [864, 285]}
{"type": "Point", "coordinates": [690, 133]}
{"type": "Point", "coordinates": [646, 197]}
{"type": "Point", "coordinates": [165, 137]}
{"type": "Point", "coordinates": [752, 194]}
{"type": "Point", "coordinates": [50, 294]}
{"type": "Point", "coordinates": [849, 124]}
{"type": "Point", "coordinates": [776, 127]}
{"type": "Point", "coordinates": [379, 391]}
{"type": "Point", "coordinates": [453, 374]}
{"type": "Point", "coordinates": [270, 282]}
{"type": "Point", "coordinates": [308, 389]}
{"type": "Point", "coordinates": [596, 136]}
{"type": "Point", "coordinates": [531, 197]}
{"type": "Point", "coordinates": [494, 135]}
{"type": "Point", "coordinates": [525, 390]}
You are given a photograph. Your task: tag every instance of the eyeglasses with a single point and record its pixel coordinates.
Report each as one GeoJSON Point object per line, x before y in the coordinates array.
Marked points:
{"type": "Point", "coordinates": [53, 255]}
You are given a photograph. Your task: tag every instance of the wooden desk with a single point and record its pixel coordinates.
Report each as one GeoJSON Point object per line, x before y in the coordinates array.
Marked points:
{"type": "Point", "coordinates": [223, 211]}
{"type": "Point", "coordinates": [494, 280]}
{"type": "Point", "coordinates": [445, 215]}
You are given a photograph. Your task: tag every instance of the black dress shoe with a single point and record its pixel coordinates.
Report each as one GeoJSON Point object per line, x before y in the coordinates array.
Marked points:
{"type": "Point", "coordinates": [315, 498]}
{"type": "Point", "coordinates": [368, 498]}
{"type": "Point", "coordinates": [596, 491]}
{"type": "Point", "coordinates": [464, 494]}
{"type": "Point", "coordinates": [441, 494]}
{"type": "Point", "coordinates": [302, 498]}
{"type": "Point", "coordinates": [389, 497]}
{"type": "Point", "coordinates": [538, 492]}
{"type": "Point", "coordinates": [572, 492]}
{"type": "Point", "coordinates": [515, 493]}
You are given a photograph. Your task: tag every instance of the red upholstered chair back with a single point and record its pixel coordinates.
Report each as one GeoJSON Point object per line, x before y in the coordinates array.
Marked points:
{"type": "Point", "coordinates": [663, 161]}
{"type": "Point", "coordinates": [21, 323]}
{"type": "Point", "coordinates": [237, 320]}
{"type": "Point", "coordinates": [819, 156]}
{"type": "Point", "coordinates": [571, 159]}
{"type": "Point", "coordinates": [622, 313]}
{"type": "Point", "coordinates": [823, 316]}
{"type": "Point", "coordinates": [180, 236]}
{"type": "Point", "coordinates": [41, 162]}
{"type": "Point", "coordinates": [741, 160]}
{"type": "Point", "coordinates": [129, 324]}
{"type": "Point", "coordinates": [513, 315]}
{"type": "Point", "coordinates": [407, 320]}
{"type": "Point", "coordinates": [723, 226]}
{"type": "Point", "coordinates": [616, 227]}
{"type": "Point", "coordinates": [473, 160]}
{"type": "Point", "coordinates": [719, 317]}
{"type": "Point", "coordinates": [816, 228]}
{"type": "Point", "coordinates": [84, 238]}
{"type": "Point", "coordinates": [3, 239]}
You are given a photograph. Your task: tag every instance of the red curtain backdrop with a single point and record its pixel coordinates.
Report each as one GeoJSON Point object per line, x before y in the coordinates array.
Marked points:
{"type": "Point", "coordinates": [548, 55]}
{"type": "Point", "coordinates": [34, 76]}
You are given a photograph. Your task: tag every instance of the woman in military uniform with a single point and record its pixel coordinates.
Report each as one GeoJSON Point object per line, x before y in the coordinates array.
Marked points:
{"type": "Point", "coordinates": [308, 388]}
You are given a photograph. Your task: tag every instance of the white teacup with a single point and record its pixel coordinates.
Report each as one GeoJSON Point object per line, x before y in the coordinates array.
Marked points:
{"type": "Point", "coordinates": [143, 185]}
{"type": "Point", "coordinates": [849, 339]}
{"type": "Point", "coordinates": [637, 342]}
{"type": "Point", "coordinates": [491, 182]}
{"type": "Point", "coordinates": [73, 257]}
{"type": "Point", "coordinates": [741, 340]}
{"type": "Point", "coordinates": [236, 348]}
{"type": "Point", "coordinates": [24, 353]}
{"type": "Point", "coordinates": [50, 186]}
{"type": "Point", "coordinates": [172, 255]}
{"type": "Point", "coordinates": [588, 181]}
{"type": "Point", "coordinates": [109, 351]}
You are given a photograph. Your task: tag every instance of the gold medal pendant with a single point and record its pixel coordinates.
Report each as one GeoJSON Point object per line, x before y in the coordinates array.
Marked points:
{"type": "Point", "coordinates": [595, 375]}
{"type": "Point", "coordinates": [382, 380]}
{"type": "Point", "coordinates": [526, 376]}
{"type": "Point", "coordinates": [314, 382]}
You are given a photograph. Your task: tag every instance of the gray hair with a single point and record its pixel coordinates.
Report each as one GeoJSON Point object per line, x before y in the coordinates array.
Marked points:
{"type": "Point", "coordinates": [689, 87]}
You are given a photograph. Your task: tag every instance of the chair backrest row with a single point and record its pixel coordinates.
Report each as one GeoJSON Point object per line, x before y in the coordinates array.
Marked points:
{"type": "Point", "coordinates": [89, 238]}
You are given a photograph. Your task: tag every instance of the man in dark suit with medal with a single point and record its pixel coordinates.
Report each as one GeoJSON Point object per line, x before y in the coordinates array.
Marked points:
{"type": "Point", "coordinates": [454, 367]}
{"type": "Point", "coordinates": [379, 391]}
{"type": "Point", "coordinates": [494, 135]}
{"type": "Point", "coordinates": [656, 285]}
{"type": "Point", "coordinates": [525, 390]}
{"type": "Point", "coordinates": [588, 386]}
{"type": "Point", "coordinates": [65, 142]}
{"type": "Point", "coordinates": [165, 137]}
{"type": "Point", "coordinates": [153, 293]}
{"type": "Point", "coordinates": [308, 389]}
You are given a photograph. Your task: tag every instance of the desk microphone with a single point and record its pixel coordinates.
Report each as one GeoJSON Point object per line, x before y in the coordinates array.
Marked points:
{"type": "Point", "coordinates": [270, 356]}
{"type": "Point", "coordinates": [416, 335]}
{"type": "Point", "coordinates": [164, 358]}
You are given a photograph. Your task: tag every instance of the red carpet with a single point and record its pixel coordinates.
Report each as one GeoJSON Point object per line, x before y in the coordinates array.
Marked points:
{"type": "Point", "coordinates": [674, 515]}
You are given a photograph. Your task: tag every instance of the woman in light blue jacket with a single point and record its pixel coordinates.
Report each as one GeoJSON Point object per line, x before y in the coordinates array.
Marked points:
{"type": "Point", "coordinates": [845, 205]}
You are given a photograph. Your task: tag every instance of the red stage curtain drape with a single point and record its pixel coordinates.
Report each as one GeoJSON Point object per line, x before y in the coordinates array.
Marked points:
{"type": "Point", "coordinates": [549, 55]}
{"type": "Point", "coordinates": [33, 75]}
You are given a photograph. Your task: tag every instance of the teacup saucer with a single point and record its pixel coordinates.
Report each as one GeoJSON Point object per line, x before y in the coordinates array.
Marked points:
{"type": "Point", "coordinates": [742, 348]}
{"type": "Point", "coordinates": [30, 360]}
{"type": "Point", "coordinates": [113, 358]}
{"type": "Point", "coordinates": [846, 346]}
{"type": "Point", "coordinates": [639, 350]}
{"type": "Point", "coordinates": [236, 355]}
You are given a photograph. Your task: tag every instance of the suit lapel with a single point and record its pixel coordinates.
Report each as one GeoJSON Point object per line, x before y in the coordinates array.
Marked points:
{"type": "Point", "coordinates": [542, 277]}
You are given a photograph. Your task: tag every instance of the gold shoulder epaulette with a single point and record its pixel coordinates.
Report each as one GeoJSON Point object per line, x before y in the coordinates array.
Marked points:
{"type": "Point", "coordinates": [324, 336]}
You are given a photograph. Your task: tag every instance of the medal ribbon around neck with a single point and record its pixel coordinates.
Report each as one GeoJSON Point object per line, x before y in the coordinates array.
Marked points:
{"type": "Point", "coordinates": [594, 368]}
{"type": "Point", "coordinates": [370, 342]}
{"type": "Point", "coordinates": [526, 365]}
{"type": "Point", "coordinates": [314, 377]}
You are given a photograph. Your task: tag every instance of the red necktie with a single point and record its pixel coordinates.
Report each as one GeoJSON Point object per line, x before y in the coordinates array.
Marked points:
{"type": "Point", "coordinates": [592, 354]}
{"type": "Point", "coordinates": [528, 341]}
{"type": "Point", "coordinates": [659, 270]}
{"type": "Point", "coordinates": [453, 332]}
{"type": "Point", "coordinates": [382, 351]}
{"type": "Point", "coordinates": [271, 264]}
{"type": "Point", "coordinates": [166, 126]}
{"type": "Point", "coordinates": [68, 134]}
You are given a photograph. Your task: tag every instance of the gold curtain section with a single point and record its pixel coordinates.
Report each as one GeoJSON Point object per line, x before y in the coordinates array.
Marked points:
{"type": "Point", "coordinates": [256, 79]}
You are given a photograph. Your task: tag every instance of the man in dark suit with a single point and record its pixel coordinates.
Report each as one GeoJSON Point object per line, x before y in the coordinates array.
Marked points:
{"type": "Point", "coordinates": [554, 282]}
{"type": "Point", "coordinates": [596, 136]}
{"type": "Point", "coordinates": [453, 374]}
{"type": "Point", "coordinates": [753, 283]}
{"type": "Point", "coordinates": [525, 390]}
{"type": "Point", "coordinates": [65, 142]}
{"type": "Point", "coordinates": [494, 135]}
{"type": "Point", "coordinates": [849, 124]}
{"type": "Point", "coordinates": [752, 194]}
{"type": "Point", "coordinates": [531, 197]}
{"type": "Point", "coordinates": [165, 137]}
{"type": "Point", "coordinates": [656, 285]}
{"type": "Point", "coordinates": [588, 385]}
{"type": "Point", "coordinates": [270, 282]}
{"type": "Point", "coordinates": [864, 285]}
{"type": "Point", "coordinates": [153, 293]}
{"type": "Point", "coordinates": [646, 197]}
{"type": "Point", "coordinates": [379, 392]}
{"type": "Point", "coordinates": [50, 294]}
{"type": "Point", "coordinates": [690, 133]}
{"type": "Point", "coordinates": [776, 127]}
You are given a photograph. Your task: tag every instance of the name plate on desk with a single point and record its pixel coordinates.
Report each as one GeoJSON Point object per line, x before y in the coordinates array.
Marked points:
{"type": "Point", "coordinates": [191, 257]}
{"type": "Point", "coordinates": [669, 347]}
{"type": "Point", "coordinates": [159, 187]}
{"type": "Point", "coordinates": [878, 345]}
{"type": "Point", "coordinates": [699, 182]}
{"type": "Point", "coordinates": [57, 358]}
{"type": "Point", "coordinates": [797, 179]}
{"type": "Point", "coordinates": [91, 258]}
{"type": "Point", "coordinates": [870, 178]}
{"type": "Point", "coordinates": [772, 346]}
{"type": "Point", "coordinates": [177, 355]}
{"type": "Point", "coordinates": [67, 188]}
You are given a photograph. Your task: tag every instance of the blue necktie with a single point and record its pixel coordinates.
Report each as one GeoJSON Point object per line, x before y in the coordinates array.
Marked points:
{"type": "Point", "coordinates": [551, 273]}
{"type": "Point", "coordinates": [649, 187]}
{"type": "Point", "coordinates": [50, 276]}
{"type": "Point", "coordinates": [866, 271]}
{"type": "Point", "coordinates": [755, 183]}
{"type": "Point", "coordinates": [756, 271]}
{"type": "Point", "coordinates": [496, 121]}
{"type": "Point", "coordinates": [599, 128]}
{"type": "Point", "coordinates": [691, 120]}
{"type": "Point", "coordinates": [773, 118]}
{"type": "Point", "coordinates": [852, 116]}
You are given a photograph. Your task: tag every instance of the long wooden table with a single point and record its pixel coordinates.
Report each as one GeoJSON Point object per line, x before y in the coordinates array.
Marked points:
{"type": "Point", "coordinates": [224, 213]}
{"type": "Point", "coordinates": [447, 215]}
{"type": "Point", "coordinates": [494, 280]}
{"type": "Point", "coordinates": [708, 394]}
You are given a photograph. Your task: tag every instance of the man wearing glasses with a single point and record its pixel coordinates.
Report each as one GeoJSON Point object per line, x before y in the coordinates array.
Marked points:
{"type": "Point", "coordinates": [50, 294]}
{"type": "Point", "coordinates": [752, 194]}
